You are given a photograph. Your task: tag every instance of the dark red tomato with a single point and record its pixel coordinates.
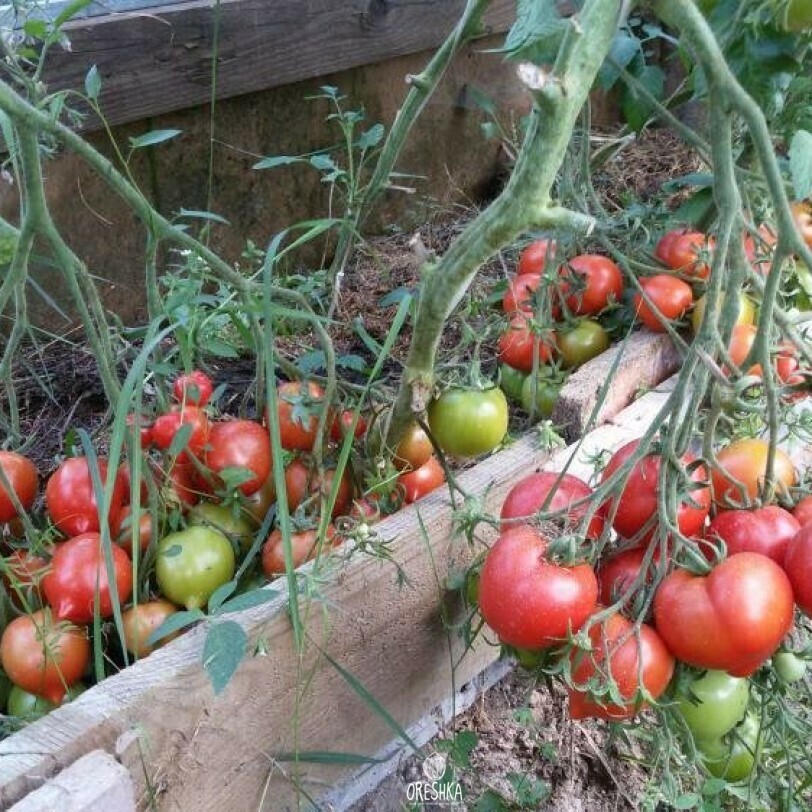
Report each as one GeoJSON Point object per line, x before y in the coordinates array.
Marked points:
{"type": "Point", "coordinates": [44, 656]}
{"type": "Point", "coordinates": [637, 505]}
{"type": "Point", "coordinates": [71, 501]}
{"type": "Point", "coordinates": [519, 294]}
{"type": "Point", "coordinates": [798, 566]}
{"type": "Point", "coordinates": [803, 511]}
{"type": "Point", "coordinates": [194, 388]}
{"type": "Point", "coordinates": [298, 409]}
{"type": "Point", "coordinates": [741, 472]}
{"type": "Point", "coordinates": [530, 602]}
{"type": "Point", "coordinates": [519, 342]}
{"type": "Point", "coordinates": [683, 251]}
{"type": "Point", "coordinates": [141, 621]}
{"type": "Point", "coordinates": [297, 479]}
{"type": "Point", "coordinates": [596, 281]}
{"type": "Point", "coordinates": [166, 426]}
{"type": "Point", "coordinates": [637, 660]}
{"type": "Point", "coordinates": [22, 578]}
{"type": "Point", "coordinates": [662, 251]}
{"type": "Point", "coordinates": [670, 296]}
{"type": "Point", "coordinates": [304, 547]}
{"type": "Point", "coordinates": [732, 619]}
{"type": "Point", "coordinates": [342, 425]}
{"type": "Point", "coordinates": [240, 444]}
{"type": "Point", "coordinates": [617, 574]}
{"type": "Point", "coordinates": [21, 474]}
{"type": "Point", "coordinates": [302, 481]}
{"type": "Point", "coordinates": [534, 257]}
{"type": "Point", "coordinates": [527, 497]}
{"type": "Point", "coordinates": [767, 530]}
{"type": "Point", "coordinates": [134, 533]}
{"type": "Point", "coordinates": [144, 430]}
{"type": "Point", "coordinates": [416, 484]}
{"type": "Point", "coordinates": [78, 571]}
{"type": "Point", "coordinates": [325, 486]}
{"type": "Point", "coordinates": [414, 449]}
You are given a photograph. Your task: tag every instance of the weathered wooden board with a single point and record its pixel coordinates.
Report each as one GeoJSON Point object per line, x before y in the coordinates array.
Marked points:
{"type": "Point", "coordinates": [160, 59]}
{"type": "Point", "coordinates": [193, 750]}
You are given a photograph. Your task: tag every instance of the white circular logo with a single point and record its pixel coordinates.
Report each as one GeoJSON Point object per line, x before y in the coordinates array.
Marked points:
{"type": "Point", "coordinates": [434, 766]}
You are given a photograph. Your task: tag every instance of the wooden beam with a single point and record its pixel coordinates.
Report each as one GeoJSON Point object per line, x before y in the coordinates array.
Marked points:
{"type": "Point", "coordinates": [159, 59]}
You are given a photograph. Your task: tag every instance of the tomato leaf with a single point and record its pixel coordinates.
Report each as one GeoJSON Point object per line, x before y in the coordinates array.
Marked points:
{"type": "Point", "coordinates": [221, 594]}
{"type": "Point", "coordinates": [180, 440]}
{"type": "Point", "coordinates": [624, 49]}
{"type": "Point", "coordinates": [687, 801]}
{"type": "Point", "coordinates": [152, 138]}
{"type": "Point", "coordinates": [371, 138]}
{"type": "Point", "coordinates": [248, 600]}
{"type": "Point", "coordinates": [174, 623]}
{"type": "Point", "coordinates": [800, 163]}
{"type": "Point", "coordinates": [204, 215]}
{"type": "Point", "coordinates": [223, 651]}
{"type": "Point", "coordinates": [277, 160]}
{"type": "Point", "coordinates": [537, 32]}
{"type": "Point", "coordinates": [93, 83]}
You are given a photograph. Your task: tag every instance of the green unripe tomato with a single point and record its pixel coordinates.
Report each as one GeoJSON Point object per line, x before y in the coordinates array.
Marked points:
{"type": "Point", "coordinates": [734, 756]}
{"type": "Point", "coordinates": [582, 343]}
{"type": "Point", "coordinates": [540, 394]}
{"type": "Point", "coordinates": [714, 704]}
{"type": "Point", "coordinates": [789, 666]}
{"type": "Point", "coordinates": [511, 381]}
{"type": "Point", "coordinates": [747, 311]}
{"type": "Point", "coordinates": [469, 422]}
{"type": "Point", "coordinates": [237, 527]}
{"type": "Point", "coordinates": [30, 707]}
{"type": "Point", "coordinates": [192, 563]}
{"type": "Point", "coordinates": [798, 15]}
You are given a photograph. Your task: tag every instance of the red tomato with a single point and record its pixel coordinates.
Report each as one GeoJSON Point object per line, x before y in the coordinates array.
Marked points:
{"type": "Point", "coordinates": [298, 409]}
{"type": "Point", "coordinates": [637, 505]}
{"type": "Point", "coordinates": [297, 477]}
{"type": "Point", "coordinates": [134, 533]}
{"type": "Point", "coordinates": [530, 602]}
{"type": "Point", "coordinates": [413, 450]}
{"type": "Point", "coordinates": [617, 574]}
{"type": "Point", "coordinates": [125, 475]}
{"type": "Point", "coordinates": [519, 295]}
{"type": "Point", "coordinates": [166, 426]}
{"type": "Point", "coordinates": [258, 504]}
{"type": "Point", "coordinates": [21, 474]}
{"type": "Point", "coordinates": [638, 662]}
{"type": "Point", "coordinates": [71, 501]}
{"type": "Point", "coordinates": [681, 250]}
{"type": "Point", "coordinates": [141, 621]}
{"type": "Point", "coordinates": [144, 431]}
{"type": "Point", "coordinates": [416, 484]}
{"type": "Point", "coordinates": [302, 481]}
{"type": "Point", "coordinates": [518, 343]}
{"type": "Point", "coordinates": [22, 578]}
{"type": "Point", "coordinates": [342, 425]}
{"type": "Point", "coordinates": [533, 257]}
{"type": "Point", "coordinates": [741, 342]}
{"type": "Point", "coordinates": [194, 388]}
{"type": "Point", "coordinates": [44, 656]}
{"type": "Point", "coordinates": [181, 486]}
{"type": "Point", "coordinates": [744, 463]}
{"type": "Point", "coordinates": [304, 546]}
{"type": "Point", "coordinates": [527, 497]}
{"type": "Point", "coordinates": [798, 566]}
{"type": "Point", "coordinates": [732, 619]}
{"type": "Point", "coordinates": [803, 511]}
{"type": "Point", "coordinates": [767, 530]}
{"type": "Point", "coordinates": [240, 444]}
{"type": "Point", "coordinates": [78, 571]}
{"type": "Point", "coordinates": [600, 282]}
{"type": "Point", "coordinates": [671, 297]}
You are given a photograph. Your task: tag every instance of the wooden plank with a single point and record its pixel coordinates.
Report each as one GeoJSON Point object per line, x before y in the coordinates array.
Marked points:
{"type": "Point", "coordinates": [160, 59]}
{"type": "Point", "coordinates": [202, 752]}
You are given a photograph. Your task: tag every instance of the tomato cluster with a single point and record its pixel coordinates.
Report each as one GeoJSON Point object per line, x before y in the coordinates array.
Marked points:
{"type": "Point", "coordinates": [205, 493]}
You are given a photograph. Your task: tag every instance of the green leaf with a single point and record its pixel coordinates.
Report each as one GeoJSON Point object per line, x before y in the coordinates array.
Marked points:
{"type": "Point", "coordinates": [800, 163]}
{"type": "Point", "coordinates": [701, 180]}
{"type": "Point", "coordinates": [713, 786]}
{"type": "Point", "coordinates": [223, 651]}
{"type": "Point", "coordinates": [350, 361]}
{"type": "Point", "coordinates": [695, 209]}
{"type": "Point", "coordinates": [635, 110]}
{"type": "Point", "coordinates": [473, 97]}
{"type": "Point", "coordinates": [687, 801]}
{"type": "Point", "coordinates": [277, 160]}
{"type": "Point", "coordinates": [371, 138]}
{"type": "Point", "coordinates": [323, 162]}
{"type": "Point", "coordinates": [222, 349]}
{"type": "Point", "coordinates": [530, 792]}
{"type": "Point", "coordinates": [537, 32]}
{"type": "Point", "coordinates": [328, 757]}
{"type": "Point", "coordinates": [38, 29]}
{"type": "Point", "coordinates": [624, 49]}
{"type": "Point", "coordinates": [395, 296]}
{"type": "Point", "coordinates": [153, 137]}
{"type": "Point", "coordinates": [249, 600]}
{"type": "Point", "coordinates": [180, 440]}
{"type": "Point", "coordinates": [490, 801]}
{"type": "Point", "coordinates": [221, 594]}
{"type": "Point", "coordinates": [70, 11]}
{"type": "Point", "coordinates": [204, 215]}
{"type": "Point", "coordinates": [174, 623]}
{"type": "Point", "coordinates": [93, 83]}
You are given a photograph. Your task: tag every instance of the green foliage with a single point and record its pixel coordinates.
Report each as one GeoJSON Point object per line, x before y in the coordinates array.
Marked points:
{"type": "Point", "coordinates": [537, 33]}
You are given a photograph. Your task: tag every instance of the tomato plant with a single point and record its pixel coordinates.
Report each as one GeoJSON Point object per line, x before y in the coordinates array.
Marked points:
{"type": "Point", "coordinates": [141, 621]}
{"type": "Point", "coordinates": [670, 296]}
{"type": "Point", "coordinates": [529, 601]}
{"type": "Point", "coordinates": [134, 532]}
{"type": "Point", "coordinates": [29, 707]}
{"type": "Point", "coordinates": [298, 409]}
{"type": "Point", "coordinates": [71, 500]}
{"type": "Point", "coordinates": [192, 419]}
{"type": "Point", "coordinates": [534, 257]}
{"type": "Point", "coordinates": [742, 466]}
{"type": "Point", "coordinates": [240, 444]}
{"type": "Point", "coordinates": [741, 342]}
{"type": "Point", "coordinates": [595, 282]}
{"type": "Point", "coordinates": [78, 573]}
{"type": "Point", "coordinates": [43, 655]}
{"type": "Point", "coordinates": [469, 422]}
{"type": "Point", "coordinates": [520, 342]}
{"type": "Point", "coordinates": [637, 503]}
{"type": "Point", "coordinates": [734, 756]}
{"type": "Point", "coordinates": [194, 388]}
{"type": "Point", "coordinates": [258, 504]}
{"type": "Point", "coordinates": [744, 608]}
{"type": "Point", "coordinates": [22, 577]}
{"type": "Point", "coordinates": [798, 566]}
{"type": "Point", "coordinates": [635, 660]}
{"type": "Point", "coordinates": [767, 530]}
{"type": "Point", "coordinates": [192, 563]}
{"type": "Point", "coordinates": [342, 425]}
{"type": "Point", "coordinates": [416, 484]}
{"type": "Point", "coordinates": [618, 573]}
{"type": "Point", "coordinates": [789, 666]}
{"type": "Point", "coordinates": [559, 492]}
{"type": "Point", "coordinates": [581, 343]}
{"type": "Point", "coordinates": [21, 474]}
{"type": "Point", "coordinates": [713, 703]}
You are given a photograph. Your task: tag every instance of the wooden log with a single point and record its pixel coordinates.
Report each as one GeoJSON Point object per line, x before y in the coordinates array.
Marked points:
{"type": "Point", "coordinates": [160, 59]}
{"type": "Point", "coordinates": [187, 749]}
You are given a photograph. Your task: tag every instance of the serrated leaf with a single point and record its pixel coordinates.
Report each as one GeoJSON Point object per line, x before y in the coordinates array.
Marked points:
{"type": "Point", "coordinates": [223, 652]}
{"type": "Point", "coordinates": [221, 594]}
{"type": "Point", "coordinates": [93, 83]}
{"type": "Point", "coordinates": [153, 137]}
{"type": "Point", "coordinates": [537, 32]}
{"type": "Point", "coordinates": [490, 801]}
{"type": "Point", "coordinates": [353, 362]}
{"type": "Point", "coordinates": [800, 164]}
{"type": "Point", "coordinates": [204, 215]}
{"type": "Point", "coordinates": [249, 600]}
{"type": "Point", "coordinates": [174, 623]}
{"type": "Point", "coordinates": [277, 160]}
{"type": "Point", "coordinates": [371, 138]}
{"type": "Point", "coordinates": [312, 361]}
